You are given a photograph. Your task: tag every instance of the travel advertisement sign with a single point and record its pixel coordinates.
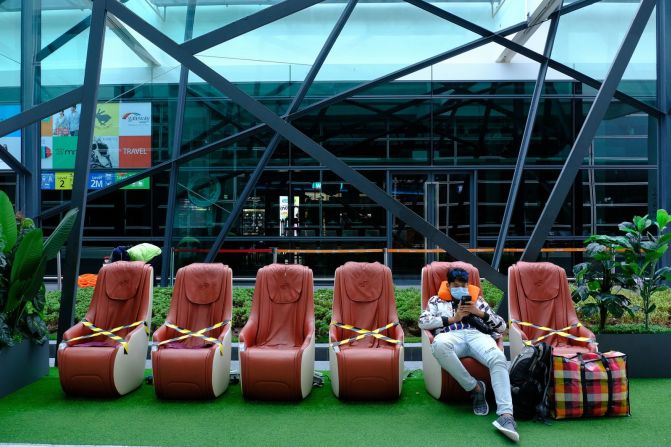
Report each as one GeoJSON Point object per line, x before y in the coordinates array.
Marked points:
{"type": "Point", "coordinates": [122, 137]}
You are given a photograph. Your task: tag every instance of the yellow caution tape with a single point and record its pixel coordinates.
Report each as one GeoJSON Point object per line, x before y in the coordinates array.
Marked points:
{"type": "Point", "coordinates": [199, 334]}
{"type": "Point", "coordinates": [561, 332]}
{"type": "Point", "coordinates": [111, 333]}
{"type": "Point", "coordinates": [364, 333]}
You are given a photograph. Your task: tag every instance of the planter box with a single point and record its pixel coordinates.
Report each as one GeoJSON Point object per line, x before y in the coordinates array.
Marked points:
{"type": "Point", "coordinates": [21, 365]}
{"type": "Point", "coordinates": [647, 354]}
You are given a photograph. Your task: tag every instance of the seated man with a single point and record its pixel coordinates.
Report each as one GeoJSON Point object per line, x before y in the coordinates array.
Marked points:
{"type": "Point", "coordinates": [465, 326]}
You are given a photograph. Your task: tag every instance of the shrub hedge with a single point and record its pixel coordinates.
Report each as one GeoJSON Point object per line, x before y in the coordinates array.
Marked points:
{"type": "Point", "coordinates": [407, 303]}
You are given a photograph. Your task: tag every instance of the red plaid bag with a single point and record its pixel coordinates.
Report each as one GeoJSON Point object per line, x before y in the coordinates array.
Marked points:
{"type": "Point", "coordinates": [588, 385]}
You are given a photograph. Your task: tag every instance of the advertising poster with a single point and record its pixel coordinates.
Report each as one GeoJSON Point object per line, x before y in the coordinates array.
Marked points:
{"type": "Point", "coordinates": [122, 140]}
{"type": "Point", "coordinates": [64, 152]}
{"type": "Point", "coordinates": [140, 184]}
{"type": "Point", "coordinates": [135, 119]}
{"type": "Point", "coordinates": [99, 180]}
{"type": "Point", "coordinates": [107, 120]}
{"type": "Point", "coordinates": [134, 152]}
{"type": "Point", "coordinates": [13, 145]}
{"type": "Point", "coordinates": [12, 141]}
{"type": "Point", "coordinates": [64, 180]}
{"type": "Point", "coordinates": [48, 180]}
{"type": "Point", "coordinates": [8, 111]}
{"type": "Point", "coordinates": [105, 153]}
{"type": "Point", "coordinates": [47, 153]}
{"type": "Point", "coordinates": [46, 127]}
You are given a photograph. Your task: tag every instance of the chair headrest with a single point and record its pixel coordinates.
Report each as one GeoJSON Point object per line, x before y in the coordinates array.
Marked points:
{"type": "Point", "coordinates": [122, 279]}
{"type": "Point", "coordinates": [540, 280]}
{"type": "Point", "coordinates": [364, 280]}
{"type": "Point", "coordinates": [440, 269]}
{"type": "Point", "coordinates": [203, 282]}
{"type": "Point", "coordinates": [285, 282]}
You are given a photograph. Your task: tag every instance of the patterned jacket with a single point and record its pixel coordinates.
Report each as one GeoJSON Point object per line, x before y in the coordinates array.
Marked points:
{"type": "Point", "coordinates": [432, 317]}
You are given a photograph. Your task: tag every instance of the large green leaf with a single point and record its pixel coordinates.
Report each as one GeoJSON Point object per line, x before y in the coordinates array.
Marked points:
{"type": "Point", "coordinates": [31, 287]}
{"type": "Point", "coordinates": [56, 240]}
{"type": "Point", "coordinates": [27, 256]}
{"type": "Point", "coordinates": [627, 227]}
{"type": "Point", "coordinates": [7, 223]}
{"type": "Point", "coordinates": [16, 293]}
{"type": "Point", "coordinates": [662, 218]}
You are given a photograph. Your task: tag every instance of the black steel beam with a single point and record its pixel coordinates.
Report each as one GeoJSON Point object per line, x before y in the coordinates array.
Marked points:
{"type": "Point", "coordinates": [477, 29]}
{"type": "Point", "coordinates": [94, 55]}
{"type": "Point", "coordinates": [29, 185]}
{"type": "Point", "coordinates": [246, 24]}
{"type": "Point", "coordinates": [524, 146]}
{"type": "Point", "coordinates": [584, 140]}
{"type": "Point", "coordinates": [12, 162]}
{"type": "Point", "coordinates": [40, 111]}
{"type": "Point", "coordinates": [63, 39]}
{"type": "Point", "coordinates": [270, 150]}
{"type": "Point", "coordinates": [176, 151]}
{"type": "Point", "coordinates": [305, 143]}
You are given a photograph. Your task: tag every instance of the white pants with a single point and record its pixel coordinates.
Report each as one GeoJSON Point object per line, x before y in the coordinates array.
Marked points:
{"type": "Point", "coordinates": [448, 347]}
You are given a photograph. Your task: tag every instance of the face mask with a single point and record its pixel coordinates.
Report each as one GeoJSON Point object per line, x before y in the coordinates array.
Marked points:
{"type": "Point", "coordinates": [458, 292]}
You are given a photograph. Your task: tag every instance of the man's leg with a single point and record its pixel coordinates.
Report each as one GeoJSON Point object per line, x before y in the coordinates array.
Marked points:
{"type": "Point", "coordinates": [483, 348]}
{"type": "Point", "coordinates": [447, 347]}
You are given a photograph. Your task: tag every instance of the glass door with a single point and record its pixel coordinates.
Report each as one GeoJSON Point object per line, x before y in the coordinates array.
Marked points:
{"type": "Point", "coordinates": [445, 201]}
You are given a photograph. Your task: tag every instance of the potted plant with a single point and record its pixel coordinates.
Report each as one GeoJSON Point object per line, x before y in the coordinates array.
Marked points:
{"type": "Point", "coordinates": [24, 353]}
{"type": "Point", "coordinates": [644, 245]}
{"type": "Point", "coordinates": [631, 261]}
{"type": "Point", "coordinates": [600, 280]}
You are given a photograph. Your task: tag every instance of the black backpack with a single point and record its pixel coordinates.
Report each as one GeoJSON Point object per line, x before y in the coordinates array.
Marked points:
{"type": "Point", "coordinates": [530, 375]}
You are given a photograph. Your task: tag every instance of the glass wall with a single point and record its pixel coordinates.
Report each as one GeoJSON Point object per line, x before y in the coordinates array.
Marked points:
{"type": "Point", "coordinates": [443, 140]}
{"type": "Point", "coordinates": [448, 159]}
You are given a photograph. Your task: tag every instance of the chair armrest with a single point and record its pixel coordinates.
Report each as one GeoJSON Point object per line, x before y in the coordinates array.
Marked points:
{"type": "Point", "coordinates": [585, 332]}
{"type": "Point", "coordinates": [247, 335]}
{"type": "Point", "coordinates": [160, 334]}
{"type": "Point", "coordinates": [429, 335]}
{"type": "Point", "coordinates": [225, 331]}
{"type": "Point", "coordinates": [76, 331]}
{"type": "Point", "coordinates": [136, 329]}
{"type": "Point", "coordinates": [307, 341]}
{"type": "Point", "coordinates": [397, 333]}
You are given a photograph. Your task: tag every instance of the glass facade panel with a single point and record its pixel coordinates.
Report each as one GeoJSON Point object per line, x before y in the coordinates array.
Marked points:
{"type": "Point", "coordinates": [379, 39]}
{"type": "Point", "coordinates": [64, 40]}
{"type": "Point", "coordinates": [443, 140]}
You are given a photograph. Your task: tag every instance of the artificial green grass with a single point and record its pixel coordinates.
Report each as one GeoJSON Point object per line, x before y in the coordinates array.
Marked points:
{"type": "Point", "coordinates": [41, 413]}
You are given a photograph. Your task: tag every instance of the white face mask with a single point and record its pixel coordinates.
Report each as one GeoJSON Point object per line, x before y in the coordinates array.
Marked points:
{"type": "Point", "coordinates": [458, 292]}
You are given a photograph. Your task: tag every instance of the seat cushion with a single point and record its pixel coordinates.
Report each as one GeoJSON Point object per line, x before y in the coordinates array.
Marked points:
{"type": "Point", "coordinates": [271, 373]}
{"type": "Point", "coordinates": [184, 373]}
{"type": "Point", "coordinates": [369, 373]}
{"type": "Point", "coordinates": [88, 370]}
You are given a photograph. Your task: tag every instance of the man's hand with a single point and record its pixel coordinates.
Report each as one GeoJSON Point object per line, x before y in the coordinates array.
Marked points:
{"type": "Point", "coordinates": [470, 308]}
{"type": "Point", "coordinates": [461, 312]}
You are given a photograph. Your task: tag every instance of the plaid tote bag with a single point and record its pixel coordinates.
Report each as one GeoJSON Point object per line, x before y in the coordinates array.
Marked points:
{"type": "Point", "coordinates": [589, 384]}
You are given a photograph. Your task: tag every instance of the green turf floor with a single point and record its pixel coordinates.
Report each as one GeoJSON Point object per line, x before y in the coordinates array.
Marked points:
{"type": "Point", "coordinates": [40, 413]}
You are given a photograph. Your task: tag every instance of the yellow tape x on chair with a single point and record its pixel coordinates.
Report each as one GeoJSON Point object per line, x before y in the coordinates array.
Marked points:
{"type": "Point", "coordinates": [104, 354]}
{"type": "Point", "coordinates": [191, 356]}
{"type": "Point", "coordinates": [541, 309]}
{"type": "Point", "coordinates": [366, 341]}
